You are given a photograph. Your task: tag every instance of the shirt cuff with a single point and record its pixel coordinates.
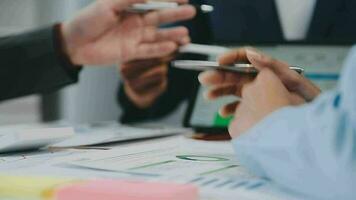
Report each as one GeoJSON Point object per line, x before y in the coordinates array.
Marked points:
{"type": "Point", "coordinates": [71, 69]}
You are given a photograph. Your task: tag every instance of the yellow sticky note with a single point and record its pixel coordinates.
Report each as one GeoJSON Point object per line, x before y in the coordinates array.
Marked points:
{"type": "Point", "coordinates": [30, 187]}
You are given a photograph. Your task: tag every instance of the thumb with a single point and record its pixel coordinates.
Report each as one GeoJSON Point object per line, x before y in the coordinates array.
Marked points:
{"type": "Point", "coordinates": [291, 79]}
{"type": "Point", "coordinates": [234, 56]}
{"type": "Point", "coordinates": [260, 61]}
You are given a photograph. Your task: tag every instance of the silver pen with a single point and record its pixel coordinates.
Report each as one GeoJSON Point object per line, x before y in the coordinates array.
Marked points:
{"type": "Point", "coordinates": [154, 5]}
{"type": "Point", "coordinates": [211, 50]}
{"type": "Point", "coordinates": [197, 65]}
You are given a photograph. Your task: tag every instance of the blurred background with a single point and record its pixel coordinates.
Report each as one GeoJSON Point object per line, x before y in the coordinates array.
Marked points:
{"type": "Point", "coordinates": [76, 103]}
{"type": "Point", "coordinates": [93, 99]}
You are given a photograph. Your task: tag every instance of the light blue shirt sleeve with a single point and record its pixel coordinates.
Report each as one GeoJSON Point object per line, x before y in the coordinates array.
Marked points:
{"type": "Point", "coordinates": [310, 149]}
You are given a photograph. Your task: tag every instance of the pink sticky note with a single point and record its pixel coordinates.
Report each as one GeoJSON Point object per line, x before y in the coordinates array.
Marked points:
{"type": "Point", "coordinates": [126, 190]}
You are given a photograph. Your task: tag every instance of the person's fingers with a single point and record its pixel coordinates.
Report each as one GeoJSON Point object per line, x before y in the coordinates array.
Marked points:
{"type": "Point", "coordinates": [223, 90]}
{"type": "Point", "coordinates": [292, 80]}
{"type": "Point", "coordinates": [155, 90]}
{"type": "Point", "coordinates": [149, 79]}
{"type": "Point", "coordinates": [134, 69]}
{"type": "Point", "coordinates": [156, 50]}
{"type": "Point", "coordinates": [150, 34]}
{"type": "Point", "coordinates": [308, 89]}
{"type": "Point", "coordinates": [296, 99]}
{"type": "Point", "coordinates": [184, 41]}
{"type": "Point", "coordinates": [152, 88]}
{"type": "Point", "coordinates": [165, 16]}
{"type": "Point", "coordinates": [234, 56]}
{"type": "Point", "coordinates": [246, 90]}
{"type": "Point", "coordinates": [160, 70]}
{"type": "Point", "coordinates": [180, 35]}
{"type": "Point", "coordinates": [261, 61]}
{"type": "Point", "coordinates": [143, 86]}
{"type": "Point", "coordinates": [213, 77]}
{"type": "Point", "coordinates": [229, 109]}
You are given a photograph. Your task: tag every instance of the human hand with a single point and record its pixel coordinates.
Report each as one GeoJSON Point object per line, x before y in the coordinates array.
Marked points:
{"type": "Point", "coordinates": [266, 94]}
{"type": "Point", "coordinates": [104, 33]}
{"type": "Point", "coordinates": [145, 80]}
{"type": "Point", "coordinates": [223, 83]}
{"type": "Point", "coordinates": [227, 83]}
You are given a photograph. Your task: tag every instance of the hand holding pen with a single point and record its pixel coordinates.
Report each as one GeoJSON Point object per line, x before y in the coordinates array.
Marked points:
{"type": "Point", "coordinates": [223, 83]}
{"type": "Point", "coordinates": [104, 33]}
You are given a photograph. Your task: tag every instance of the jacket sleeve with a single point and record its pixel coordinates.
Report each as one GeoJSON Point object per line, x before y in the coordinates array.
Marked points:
{"type": "Point", "coordinates": [181, 84]}
{"type": "Point", "coordinates": [311, 149]}
{"type": "Point", "coordinates": [33, 62]}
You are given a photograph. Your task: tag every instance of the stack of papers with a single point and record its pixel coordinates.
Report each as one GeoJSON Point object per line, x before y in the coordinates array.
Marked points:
{"type": "Point", "coordinates": [27, 139]}
{"type": "Point", "coordinates": [116, 133]}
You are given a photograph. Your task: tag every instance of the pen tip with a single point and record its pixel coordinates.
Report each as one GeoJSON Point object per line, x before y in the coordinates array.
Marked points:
{"type": "Point", "coordinates": [206, 8]}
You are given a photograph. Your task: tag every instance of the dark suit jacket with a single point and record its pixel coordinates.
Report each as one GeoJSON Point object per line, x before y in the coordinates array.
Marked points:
{"type": "Point", "coordinates": [243, 21]}
{"type": "Point", "coordinates": [33, 63]}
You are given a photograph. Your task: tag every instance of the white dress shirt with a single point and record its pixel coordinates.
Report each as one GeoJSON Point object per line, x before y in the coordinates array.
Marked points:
{"type": "Point", "coordinates": [295, 17]}
{"type": "Point", "coordinates": [310, 149]}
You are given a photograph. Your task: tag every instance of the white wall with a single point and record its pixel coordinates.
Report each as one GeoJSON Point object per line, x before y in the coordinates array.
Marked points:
{"type": "Point", "coordinates": [15, 16]}
{"type": "Point", "coordinates": [17, 13]}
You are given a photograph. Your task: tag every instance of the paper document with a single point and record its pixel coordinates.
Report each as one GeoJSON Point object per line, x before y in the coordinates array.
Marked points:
{"type": "Point", "coordinates": [26, 160]}
{"type": "Point", "coordinates": [210, 165]}
{"type": "Point", "coordinates": [27, 139]}
{"type": "Point", "coordinates": [167, 157]}
{"type": "Point", "coordinates": [109, 133]}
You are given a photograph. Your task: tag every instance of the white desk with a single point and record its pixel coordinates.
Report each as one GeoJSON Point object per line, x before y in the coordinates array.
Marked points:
{"type": "Point", "coordinates": [209, 165]}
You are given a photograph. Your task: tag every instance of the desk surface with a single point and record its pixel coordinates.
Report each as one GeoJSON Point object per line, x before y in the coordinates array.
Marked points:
{"type": "Point", "coordinates": [210, 165]}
